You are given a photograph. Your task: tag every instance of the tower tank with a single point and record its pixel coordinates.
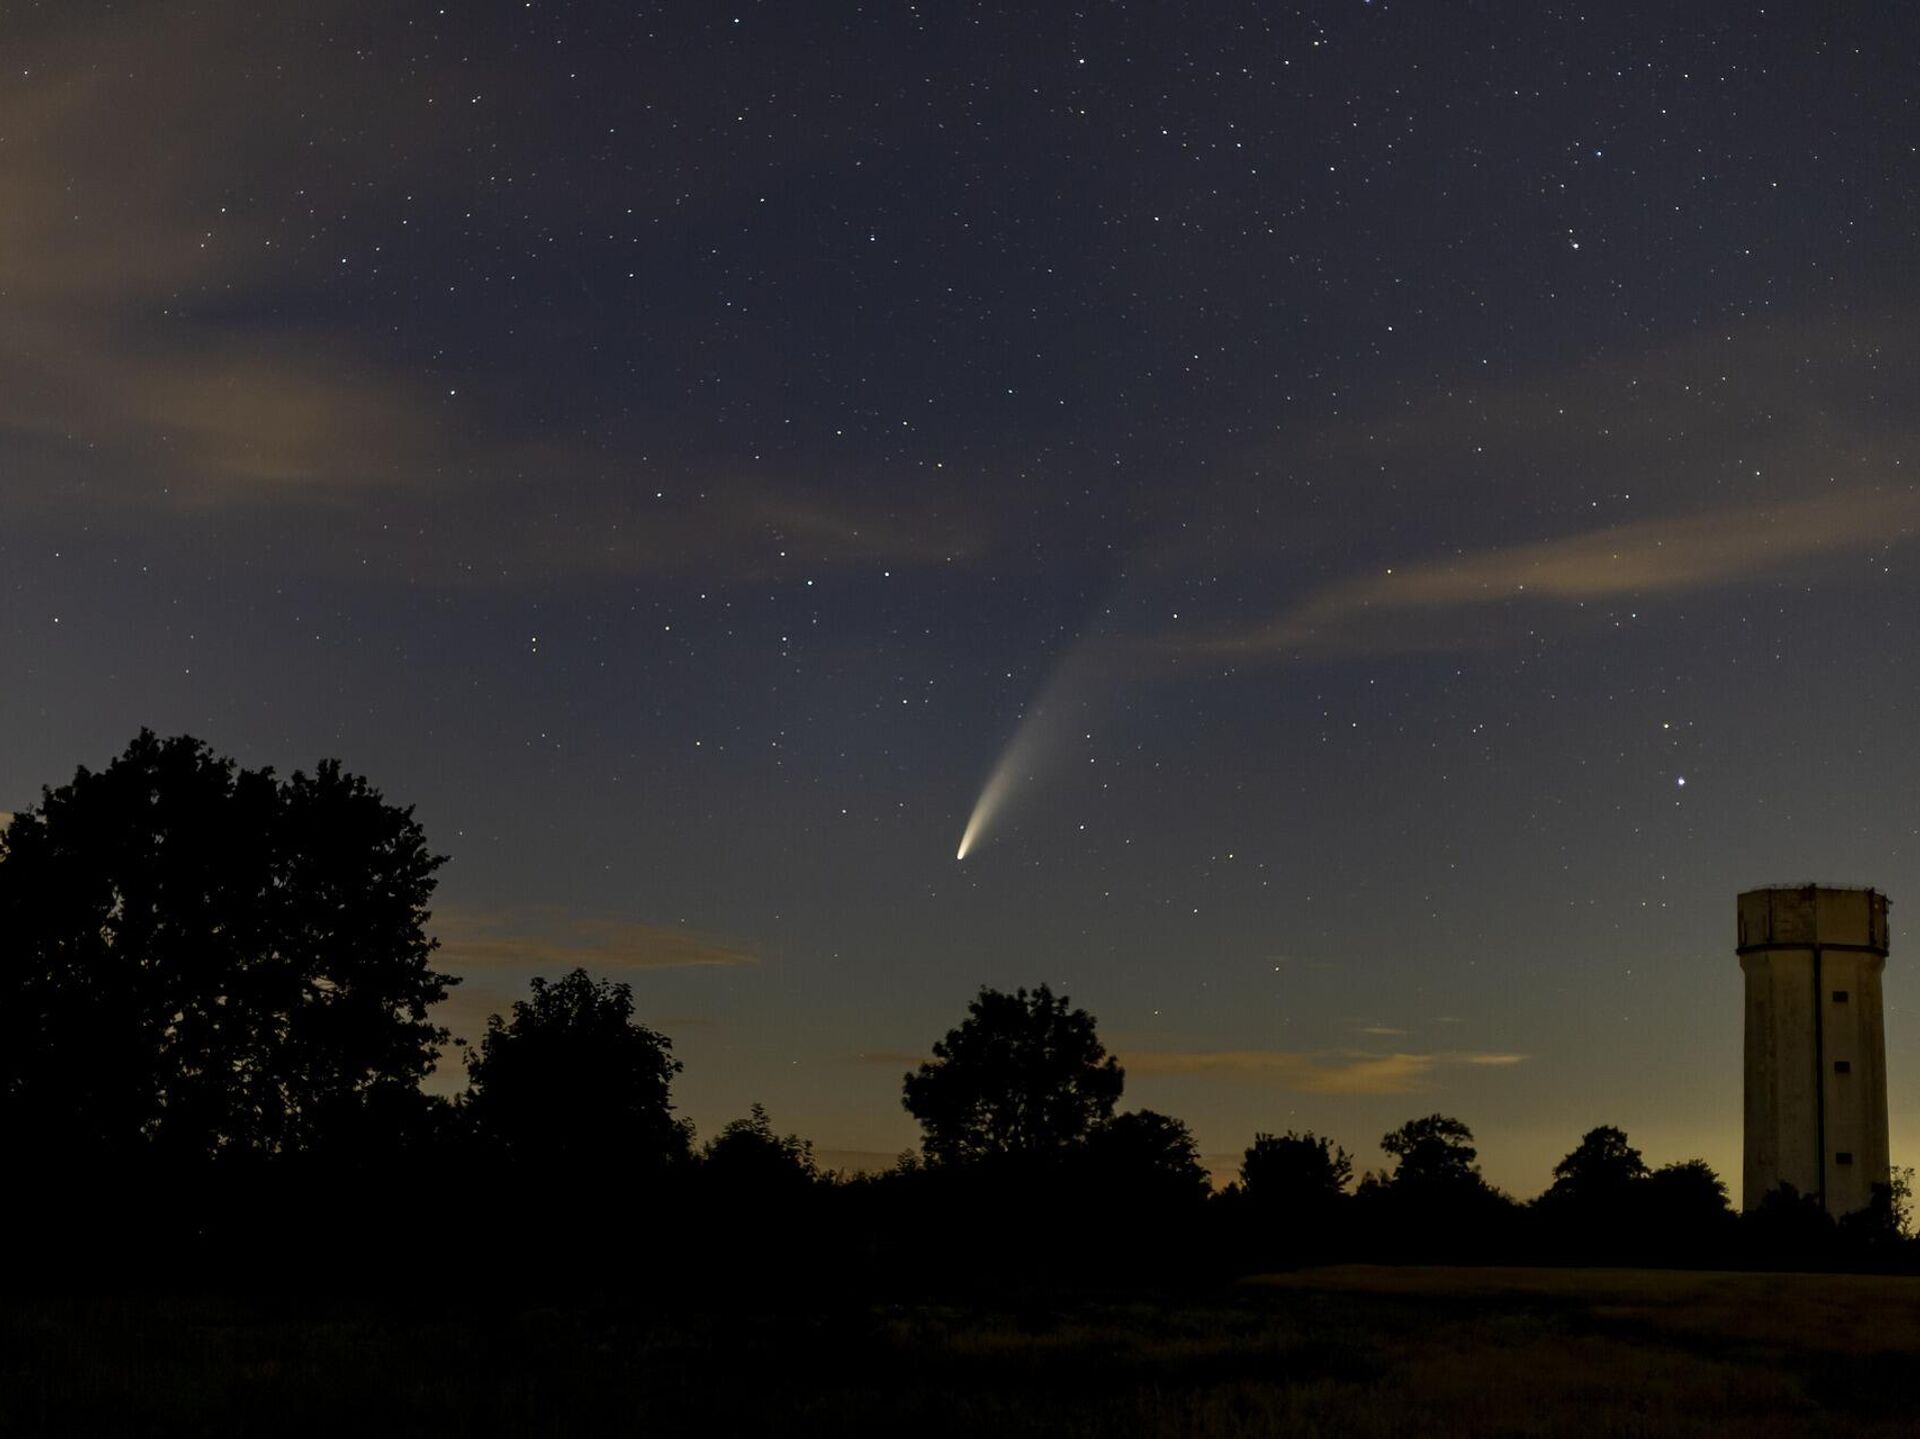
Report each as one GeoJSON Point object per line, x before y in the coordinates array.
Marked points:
{"type": "Point", "coordinates": [1816, 1053]}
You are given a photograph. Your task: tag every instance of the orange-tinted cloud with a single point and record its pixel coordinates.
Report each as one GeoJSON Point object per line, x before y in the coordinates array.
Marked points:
{"type": "Point", "coordinates": [891, 1058]}
{"type": "Point", "coordinates": [735, 529]}
{"type": "Point", "coordinates": [154, 230]}
{"type": "Point", "coordinates": [1370, 613]}
{"type": "Point", "coordinates": [117, 236]}
{"type": "Point", "coordinates": [496, 955]}
{"type": "Point", "coordinates": [1309, 1072]}
{"type": "Point", "coordinates": [548, 943]}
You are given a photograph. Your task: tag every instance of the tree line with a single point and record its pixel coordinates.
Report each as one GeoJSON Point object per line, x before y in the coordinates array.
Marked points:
{"type": "Point", "coordinates": [215, 988]}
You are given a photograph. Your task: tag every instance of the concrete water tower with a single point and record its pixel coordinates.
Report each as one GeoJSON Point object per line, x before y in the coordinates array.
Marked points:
{"type": "Point", "coordinates": [1816, 1043]}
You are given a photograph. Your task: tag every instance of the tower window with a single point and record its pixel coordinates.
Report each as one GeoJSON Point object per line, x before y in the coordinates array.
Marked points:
{"type": "Point", "coordinates": [1845, 1156]}
{"type": "Point", "coordinates": [1843, 1066]}
{"type": "Point", "coordinates": [1839, 996]}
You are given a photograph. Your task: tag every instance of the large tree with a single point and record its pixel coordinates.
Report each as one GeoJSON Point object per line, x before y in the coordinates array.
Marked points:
{"type": "Point", "coordinates": [200, 960]}
{"type": "Point", "coordinates": [1024, 1076]}
{"type": "Point", "coordinates": [573, 1081]}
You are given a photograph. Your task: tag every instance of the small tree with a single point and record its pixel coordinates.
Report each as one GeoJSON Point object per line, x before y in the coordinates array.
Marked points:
{"type": "Point", "coordinates": [1687, 1193]}
{"type": "Point", "coordinates": [1434, 1153]}
{"type": "Point", "coordinates": [1435, 1204]}
{"type": "Point", "coordinates": [1884, 1225]}
{"type": "Point", "coordinates": [1295, 1173]}
{"type": "Point", "coordinates": [1600, 1172]}
{"type": "Point", "coordinates": [1024, 1076]}
{"type": "Point", "coordinates": [1596, 1208]}
{"type": "Point", "coordinates": [1899, 1201]}
{"type": "Point", "coordinates": [1290, 1203]}
{"type": "Point", "coordinates": [572, 1081]}
{"type": "Point", "coordinates": [1146, 1159]}
{"type": "Point", "coordinates": [1788, 1228]}
{"type": "Point", "coordinates": [749, 1158]}
{"type": "Point", "coordinates": [1680, 1215]}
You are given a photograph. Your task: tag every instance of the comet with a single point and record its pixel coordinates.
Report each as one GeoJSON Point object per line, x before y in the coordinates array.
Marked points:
{"type": "Point", "coordinates": [1040, 735]}
{"type": "Point", "coordinates": [992, 796]}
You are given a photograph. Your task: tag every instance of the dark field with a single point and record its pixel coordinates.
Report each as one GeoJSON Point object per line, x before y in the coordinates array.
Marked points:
{"type": "Point", "coordinates": [1361, 1351]}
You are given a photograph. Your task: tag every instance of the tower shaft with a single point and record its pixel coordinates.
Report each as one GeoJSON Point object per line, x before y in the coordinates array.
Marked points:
{"type": "Point", "coordinates": [1816, 1072]}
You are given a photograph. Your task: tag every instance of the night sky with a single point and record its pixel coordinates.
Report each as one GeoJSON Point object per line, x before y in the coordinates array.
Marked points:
{"type": "Point", "coordinates": [1404, 508]}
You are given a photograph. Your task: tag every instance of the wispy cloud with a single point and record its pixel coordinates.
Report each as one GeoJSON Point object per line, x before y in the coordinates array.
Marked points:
{"type": "Point", "coordinates": [1371, 613]}
{"type": "Point", "coordinates": [495, 955]}
{"type": "Point", "coordinates": [730, 528]}
{"type": "Point", "coordinates": [1308, 1072]}
{"type": "Point", "coordinates": [149, 338]}
{"type": "Point", "coordinates": [116, 253]}
{"type": "Point", "coordinates": [546, 942]}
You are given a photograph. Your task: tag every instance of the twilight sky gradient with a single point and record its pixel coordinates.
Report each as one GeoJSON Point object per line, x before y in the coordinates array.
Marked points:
{"type": "Point", "coordinates": [1426, 492]}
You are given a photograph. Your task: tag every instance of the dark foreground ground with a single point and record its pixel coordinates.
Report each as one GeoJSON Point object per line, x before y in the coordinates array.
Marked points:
{"type": "Point", "coordinates": [1357, 1350]}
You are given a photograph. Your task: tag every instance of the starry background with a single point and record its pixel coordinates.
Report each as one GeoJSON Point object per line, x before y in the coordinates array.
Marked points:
{"type": "Point", "coordinates": [1424, 491]}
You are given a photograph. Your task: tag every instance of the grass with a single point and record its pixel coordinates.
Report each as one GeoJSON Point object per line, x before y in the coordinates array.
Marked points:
{"type": "Point", "coordinates": [1343, 1351]}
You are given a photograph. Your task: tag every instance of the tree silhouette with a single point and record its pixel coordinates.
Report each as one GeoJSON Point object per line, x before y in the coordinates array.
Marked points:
{"type": "Point", "coordinates": [1683, 1214]}
{"type": "Point", "coordinates": [573, 1082]}
{"type": "Point", "coordinates": [1023, 1077]}
{"type": "Point", "coordinates": [1788, 1228]}
{"type": "Point", "coordinates": [1434, 1153]}
{"type": "Point", "coordinates": [1295, 1173]}
{"type": "Point", "coordinates": [1883, 1223]}
{"type": "Point", "coordinates": [202, 960]}
{"type": "Point", "coordinates": [1599, 1174]}
{"type": "Point", "coordinates": [748, 1157]}
{"type": "Point", "coordinates": [1687, 1192]}
{"type": "Point", "coordinates": [1290, 1202]}
{"type": "Point", "coordinates": [1145, 1158]}
{"type": "Point", "coordinates": [1597, 1204]}
{"type": "Point", "coordinates": [1435, 1204]}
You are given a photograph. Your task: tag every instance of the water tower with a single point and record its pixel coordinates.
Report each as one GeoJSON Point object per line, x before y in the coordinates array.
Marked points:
{"type": "Point", "coordinates": [1816, 1043]}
